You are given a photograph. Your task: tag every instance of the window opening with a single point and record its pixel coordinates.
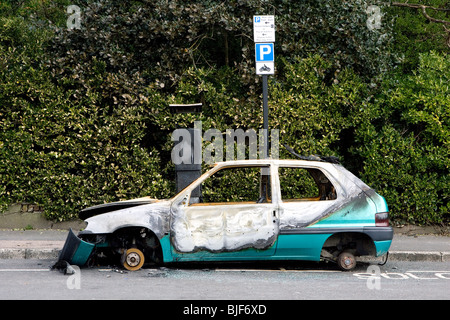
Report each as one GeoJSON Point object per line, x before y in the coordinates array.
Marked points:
{"type": "Point", "coordinates": [300, 184]}
{"type": "Point", "coordinates": [238, 185]}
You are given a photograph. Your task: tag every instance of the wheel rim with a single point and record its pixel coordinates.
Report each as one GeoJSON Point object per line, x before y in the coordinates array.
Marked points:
{"type": "Point", "coordinates": [347, 261]}
{"type": "Point", "coordinates": [134, 259]}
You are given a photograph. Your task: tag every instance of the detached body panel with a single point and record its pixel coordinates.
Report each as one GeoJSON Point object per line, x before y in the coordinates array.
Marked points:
{"type": "Point", "coordinates": [75, 250]}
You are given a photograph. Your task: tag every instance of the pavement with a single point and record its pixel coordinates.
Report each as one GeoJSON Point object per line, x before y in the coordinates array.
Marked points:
{"type": "Point", "coordinates": [416, 245]}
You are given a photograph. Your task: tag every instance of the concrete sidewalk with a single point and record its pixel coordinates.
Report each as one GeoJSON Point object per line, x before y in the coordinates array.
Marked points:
{"type": "Point", "coordinates": [46, 244]}
{"type": "Point", "coordinates": [420, 248]}
{"type": "Point", "coordinates": [31, 244]}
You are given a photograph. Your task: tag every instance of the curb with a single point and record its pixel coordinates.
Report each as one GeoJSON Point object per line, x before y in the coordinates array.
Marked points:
{"type": "Point", "coordinates": [47, 254]}
{"type": "Point", "coordinates": [411, 256]}
{"type": "Point", "coordinates": [29, 253]}
{"type": "Point", "coordinates": [433, 256]}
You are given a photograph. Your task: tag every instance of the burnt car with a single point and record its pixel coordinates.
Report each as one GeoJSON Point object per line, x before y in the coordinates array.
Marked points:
{"type": "Point", "coordinates": [247, 210]}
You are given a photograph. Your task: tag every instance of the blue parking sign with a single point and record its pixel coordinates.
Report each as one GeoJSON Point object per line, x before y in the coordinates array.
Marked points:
{"type": "Point", "coordinates": [264, 52]}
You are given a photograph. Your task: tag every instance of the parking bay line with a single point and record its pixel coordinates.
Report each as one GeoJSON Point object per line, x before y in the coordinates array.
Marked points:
{"type": "Point", "coordinates": [414, 271]}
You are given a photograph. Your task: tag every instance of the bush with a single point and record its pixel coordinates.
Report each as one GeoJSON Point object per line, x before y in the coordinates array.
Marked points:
{"type": "Point", "coordinates": [84, 113]}
{"type": "Point", "coordinates": [66, 155]}
{"type": "Point", "coordinates": [65, 150]}
{"type": "Point", "coordinates": [396, 137]}
{"type": "Point", "coordinates": [404, 142]}
{"type": "Point", "coordinates": [316, 107]}
{"type": "Point", "coordinates": [416, 35]}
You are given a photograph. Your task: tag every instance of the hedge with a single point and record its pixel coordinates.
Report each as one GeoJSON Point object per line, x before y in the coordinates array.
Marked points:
{"type": "Point", "coordinates": [84, 113]}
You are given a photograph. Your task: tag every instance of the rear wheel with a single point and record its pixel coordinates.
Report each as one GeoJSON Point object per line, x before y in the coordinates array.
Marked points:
{"type": "Point", "coordinates": [346, 261]}
{"type": "Point", "coordinates": [133, 259]}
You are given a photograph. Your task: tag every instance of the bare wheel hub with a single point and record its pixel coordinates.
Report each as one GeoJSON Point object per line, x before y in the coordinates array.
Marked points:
{"type": "Point", "coordinates": [133, 259]}
{"type": "Point", "coordinates": [346, 261]}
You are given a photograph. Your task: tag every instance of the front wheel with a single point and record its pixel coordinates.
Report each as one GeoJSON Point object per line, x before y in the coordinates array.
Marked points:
{"type": "Point", "coordinates": [346, 261]}
{"type": "Point", "coordinates": [133, 259]}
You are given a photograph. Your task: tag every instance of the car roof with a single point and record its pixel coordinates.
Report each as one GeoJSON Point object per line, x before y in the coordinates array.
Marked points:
{"type": "Point", "coordinates": [316, 163]}
{"type": "Point", "coordinates": [341, 174]}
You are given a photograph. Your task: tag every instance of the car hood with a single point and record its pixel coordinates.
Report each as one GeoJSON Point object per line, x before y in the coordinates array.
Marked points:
{"type": "Point", "coordinates": [153, 216]}
{"type": "Point", "coordinates": [114, 206]}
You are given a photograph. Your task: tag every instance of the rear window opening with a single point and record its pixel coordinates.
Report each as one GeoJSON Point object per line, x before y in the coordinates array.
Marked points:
{"type": "Point", "coordinates": [305, 184]}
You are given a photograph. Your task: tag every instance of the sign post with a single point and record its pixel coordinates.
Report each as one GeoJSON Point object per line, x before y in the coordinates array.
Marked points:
{"type": "Point", "coordinates": [265, 116]}
{"type": "Point", "coordinates": [264, 38]}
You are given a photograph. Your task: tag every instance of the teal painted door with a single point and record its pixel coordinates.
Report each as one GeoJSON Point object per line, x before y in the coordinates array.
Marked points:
{"type": "Point", "coordinates": [300, 246]}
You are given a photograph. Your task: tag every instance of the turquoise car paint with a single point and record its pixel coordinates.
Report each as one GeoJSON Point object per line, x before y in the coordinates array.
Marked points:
{"type": "Point", "coordinates": [75, 250]}
{"type": "Point", "coordinates": [300, 246]}
{"type": "Point", "coordinates": [289, 246]}
{"type": "Point", "coordinates": [382, 247]}
{"type": "Point", "coordinates": [171, 255]}
{"type": "Point", "coordinates": [359, 212]}
{"type": "Point", "coordinates": [165, 248]}
{"type": "Point", "coordinates": [83, 253]}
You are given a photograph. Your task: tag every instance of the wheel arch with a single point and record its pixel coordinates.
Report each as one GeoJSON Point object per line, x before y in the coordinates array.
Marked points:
{"type": "Point", "coordinates": [141, 237]}
{"type": "Point", "coordinates": [357, 242]}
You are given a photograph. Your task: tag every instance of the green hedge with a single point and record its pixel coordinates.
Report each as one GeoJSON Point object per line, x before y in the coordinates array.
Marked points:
{"type": "Point", "coordinates": [405, 142]}
{"type": "Point", "coordinates": [65, 155]}
{"type": "Point", "coordinates": [84, 113]}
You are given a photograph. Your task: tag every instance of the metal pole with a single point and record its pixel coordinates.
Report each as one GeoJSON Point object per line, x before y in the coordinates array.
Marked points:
{"type": "Point", "coordinates": [265, 116]}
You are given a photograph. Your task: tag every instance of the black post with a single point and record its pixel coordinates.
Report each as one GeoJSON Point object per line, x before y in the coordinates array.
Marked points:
{"type": "Point", "coordinates": [266, 116]}
{"type": "Point", "coordinates": [186, 173]}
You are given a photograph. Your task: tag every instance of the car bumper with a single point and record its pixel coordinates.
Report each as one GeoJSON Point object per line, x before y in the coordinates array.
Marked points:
{"type": "Point", "coordinates": [75, 250]}
{"type": "Point", "coordinates": [382, 238]}
{"type": "Point", "coordinates": [379, 233]}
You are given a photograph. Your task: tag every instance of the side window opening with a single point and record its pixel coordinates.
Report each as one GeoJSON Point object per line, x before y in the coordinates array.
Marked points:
{"type": "Point", "coordinates": [305, 184]}
{"type": "Point", "coordinates": [237, 185]}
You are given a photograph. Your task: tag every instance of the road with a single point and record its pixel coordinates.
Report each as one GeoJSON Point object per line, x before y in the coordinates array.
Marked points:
{"type": "Point", "coordinates": [32, 279]}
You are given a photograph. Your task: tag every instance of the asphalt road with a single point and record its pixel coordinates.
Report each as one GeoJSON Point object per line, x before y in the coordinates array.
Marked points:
{"type": "Point", "coordinates": [32, 279]}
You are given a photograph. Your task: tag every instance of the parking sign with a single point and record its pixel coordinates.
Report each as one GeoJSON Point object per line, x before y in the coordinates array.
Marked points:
{"type": "Point", "coordinates": [264, 28]}
{"type": "Point", "coordinates": [264, 55]}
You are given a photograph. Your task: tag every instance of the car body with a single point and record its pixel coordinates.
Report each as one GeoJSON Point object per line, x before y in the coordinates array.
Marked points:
{"type": "Point", "coordinates": [248, 210]}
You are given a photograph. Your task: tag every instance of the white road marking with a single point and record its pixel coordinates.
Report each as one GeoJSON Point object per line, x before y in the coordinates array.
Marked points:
{"type": "Point", "coordinates": [24, 270]}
